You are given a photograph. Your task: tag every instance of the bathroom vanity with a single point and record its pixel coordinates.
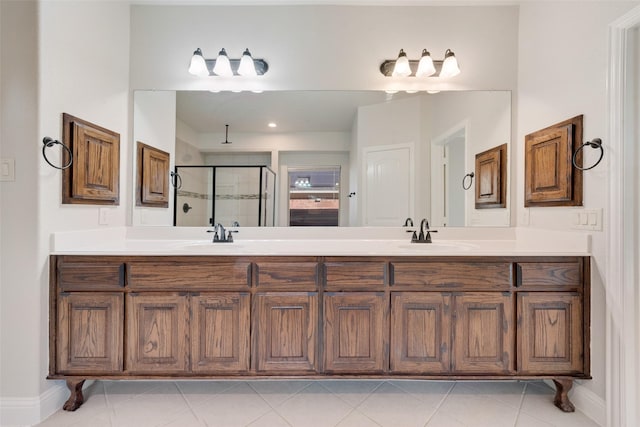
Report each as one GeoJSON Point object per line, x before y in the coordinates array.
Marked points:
{"type": "Point", "coordinates": [411, 314]}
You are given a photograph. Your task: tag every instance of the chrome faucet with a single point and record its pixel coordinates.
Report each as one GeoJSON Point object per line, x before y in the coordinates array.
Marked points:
{"type": "Point", "coordinates": [220, 235]}
{"type": "Point", "coordinates": [425, 233]}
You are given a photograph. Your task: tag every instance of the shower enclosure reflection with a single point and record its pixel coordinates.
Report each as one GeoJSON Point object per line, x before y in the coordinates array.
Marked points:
{"type": "Point", "coordinates": [229, 195]}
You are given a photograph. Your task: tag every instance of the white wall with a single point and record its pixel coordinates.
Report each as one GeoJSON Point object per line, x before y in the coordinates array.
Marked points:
{"type": "Point", "coordinates": [20, 288]}
{"type": "Point", "coordinates": [562, 72]}
{"type": "Point", "coordinates": [51, 64]}
{"type": "Point", "coordinates": [154, 119]}
{"type": "Point", "coordinates": [487, 117]}
{"type": "Point", "coordinates": [323, 47]}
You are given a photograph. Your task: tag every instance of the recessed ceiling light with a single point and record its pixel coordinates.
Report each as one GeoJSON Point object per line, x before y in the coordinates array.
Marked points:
{"type": "Point", "coordinates": [272, 125]}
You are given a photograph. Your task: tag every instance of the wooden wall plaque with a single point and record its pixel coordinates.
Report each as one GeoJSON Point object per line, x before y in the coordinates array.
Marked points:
{"type": "Point", "coordinates": [550, 178]}
{"type": "Point", "coordinates": [94, 176]}
{"type": "Point", "coordinates": [491, 178]}
{"type": "Point", "coordinates": [152, 184]}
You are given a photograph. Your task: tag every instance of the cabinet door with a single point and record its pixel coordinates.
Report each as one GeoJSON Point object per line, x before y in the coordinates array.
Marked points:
{"type": "Point", "coordinates": [484, 336]}
{"type": "Point", "coordinates": [550, 333]}
{"type": "Point", "coordinates": [220, 332]}
{"type": "Point", "coordinates": [355, 336]}
{"type": "Point", "coordinates": [157, 326]}
{"type": "Point", "coordinates": [285, 328]}
{"type": "Point", "coordinates": [420, 332]}
{"type": "Point", "coordinates": [89, 333]}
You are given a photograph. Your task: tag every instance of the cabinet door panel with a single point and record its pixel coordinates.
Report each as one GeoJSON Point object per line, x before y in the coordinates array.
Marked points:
{"type": "Point", "coordinates": [354, 332]}
{"type": "Point", "coordinates": [420, 332]}
{"type": "Point", "coordinates": [550, 333]}
{"type": "Point", "coordinates": [286, 325]}
{"type": "Point", "coordinates": [89, 333]}
{"type": "Point", "coordinates": [220, 332]}
{"type": "Point", "coordinates": [484, 333]}
{"type": "Point", "coordinates": [157, 326]}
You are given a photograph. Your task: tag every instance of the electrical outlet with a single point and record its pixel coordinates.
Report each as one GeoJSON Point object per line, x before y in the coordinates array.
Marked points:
{"type": "Point", "coordinates": [7, 170]}
{"type": "Point", "coordinates": [524, 217]}
{"type": "Point", "coordinates": [103, 214]}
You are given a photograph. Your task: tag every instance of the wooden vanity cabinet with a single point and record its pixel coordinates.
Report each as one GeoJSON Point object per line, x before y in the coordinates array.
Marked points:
{"type": "Point", "coordinates": [285, 315]}
{"type": "Point", "coordinates": [89, 332]}
{"type": "Point", "coordinates": [157, 325]}
{"type": "Point", "coordinates": [471, 317]}
{"type": "Point", "coordinates": [421, 332]}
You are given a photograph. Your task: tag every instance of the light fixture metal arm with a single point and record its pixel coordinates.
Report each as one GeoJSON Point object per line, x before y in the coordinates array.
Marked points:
{"type": "Point", "coordinates": [386, 67]}
{"type": "Point", "coordinates": [261, 66]}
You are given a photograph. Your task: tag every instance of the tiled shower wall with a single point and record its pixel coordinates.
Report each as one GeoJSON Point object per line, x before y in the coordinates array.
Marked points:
{"type": "Point", "coordinates": [237, 196]}
{"type": "Point", "coordinates": [196, 191]}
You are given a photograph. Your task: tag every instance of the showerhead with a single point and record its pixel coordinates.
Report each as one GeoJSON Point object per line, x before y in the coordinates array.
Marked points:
{"type": "Point", "coordinates": [226, 136]}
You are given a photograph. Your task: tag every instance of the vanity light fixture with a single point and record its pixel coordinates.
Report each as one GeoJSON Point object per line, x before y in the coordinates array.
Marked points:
{"type": "Point", "coordinates": [424, 67]}
{"type": "Point", "coordinates": [401, 67]}
{"type": "Point", "coordinates": [227, 67]}
{"type": "Point", "coordinates": [303, 181]}
{"type": "Point", "coordinates": [449, 65]}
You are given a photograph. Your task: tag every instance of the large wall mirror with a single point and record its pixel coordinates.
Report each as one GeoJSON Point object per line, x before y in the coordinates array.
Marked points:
{"type": "Point", "coordinates": [347, 158]}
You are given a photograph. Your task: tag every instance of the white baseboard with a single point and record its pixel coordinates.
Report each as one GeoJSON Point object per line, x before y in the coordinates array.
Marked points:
{"type": "Point", "coordinates": [587, 402]}
{"type": "Point", "coordinates": [590, 404]}
{"type": "Point", "coordinates": [28, 411]}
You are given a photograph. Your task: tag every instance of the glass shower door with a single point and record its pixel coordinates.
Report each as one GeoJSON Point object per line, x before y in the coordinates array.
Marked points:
{"type": "Point", "coordinates": [194, 197]}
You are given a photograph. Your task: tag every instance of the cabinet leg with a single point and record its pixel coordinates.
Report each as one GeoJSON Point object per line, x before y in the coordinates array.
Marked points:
{"type": "Point", "coordinates": [76, 398]}
{"type": "Point", "coordinates": [561, 399]}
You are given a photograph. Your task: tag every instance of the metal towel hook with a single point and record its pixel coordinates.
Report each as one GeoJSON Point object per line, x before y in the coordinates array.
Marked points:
{"type": "Point", "coordinates": [470, 176]}
{"type": "Point", "coordinates": [594, 143]}
{"type": "Point", "coordinates": [176, 180]}
{"type": "Point", "coordinates": [50, 142]}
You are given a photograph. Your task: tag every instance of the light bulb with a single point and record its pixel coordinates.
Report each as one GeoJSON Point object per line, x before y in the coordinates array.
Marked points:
{"type": "Point", "coordinates": [401, 68]}
{"type": "Point", "coordinates": [450, 65]}
{"type": "Point", "coordinates": [247, 67]}
{"type": "Point", "coordinates": [198, 66]}
{"type": "Point", "coordinates": [425, 66]}
{"type": "Point", "coordinates": [223, 65]}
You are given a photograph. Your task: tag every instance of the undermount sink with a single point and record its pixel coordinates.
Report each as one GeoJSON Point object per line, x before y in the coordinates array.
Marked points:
{"type": "Point", "coordinates": [207, 245]}
{"type": "Point", "coordinates": [440, 246]}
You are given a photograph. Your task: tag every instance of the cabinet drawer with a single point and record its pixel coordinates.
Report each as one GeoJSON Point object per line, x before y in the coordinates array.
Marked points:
{"type": "Point", "coordinates": [188, 274]}
{"type": "Point", "coordinates": [77, 275]}
{"type": "Point", "coordinates": [549, 275]}
{"type": "Point", "coordinates": [452, 275]}
{"type": "Point", "coordinates": [287, 275]}
{"type": "Point", "coordinates": [367, 275]}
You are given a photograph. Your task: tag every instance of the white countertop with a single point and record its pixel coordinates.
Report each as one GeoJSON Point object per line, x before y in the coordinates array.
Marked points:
{"type": "Point", "coordinates": [321, 241]}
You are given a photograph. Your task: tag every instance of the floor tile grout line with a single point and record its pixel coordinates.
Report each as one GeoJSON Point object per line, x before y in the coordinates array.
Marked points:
{"type": "Point", "coordinates": [361, 413]}
{"type": "Point", "coordinates": [356, 406]}
{"type": "Point", "coordinates": [524, 392]}
{"type": "Point", "coordinates": [292, 395]}
{"type": "Point", "coordinates": [249, 383]}
{"type": "Point", "coordinates": [193, 412]}
{"type": "Point", "coordinates": [439, 405]}
{"type": "Point", "coordinates": [110, 409]}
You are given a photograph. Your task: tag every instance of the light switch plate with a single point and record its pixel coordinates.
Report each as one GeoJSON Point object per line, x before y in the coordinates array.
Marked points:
{"type": "Point", "coordinates": [587, 219]}
{"type": "Point", "coordinates": [7, 170]}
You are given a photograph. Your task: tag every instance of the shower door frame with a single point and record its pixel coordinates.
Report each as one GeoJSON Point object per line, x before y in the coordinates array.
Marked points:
{"type": "Point", "coordinates": [261, 169]}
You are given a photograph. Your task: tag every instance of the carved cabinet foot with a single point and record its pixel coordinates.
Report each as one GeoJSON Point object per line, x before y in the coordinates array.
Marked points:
{"type": "Point", "coordinates": [76, 398]}
{"type": "Point", "coordinates": [561, 399]}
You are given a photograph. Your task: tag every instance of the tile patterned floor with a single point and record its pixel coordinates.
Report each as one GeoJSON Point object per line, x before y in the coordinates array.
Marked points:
{"type": "Point", "coordinates": [340, 403]}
